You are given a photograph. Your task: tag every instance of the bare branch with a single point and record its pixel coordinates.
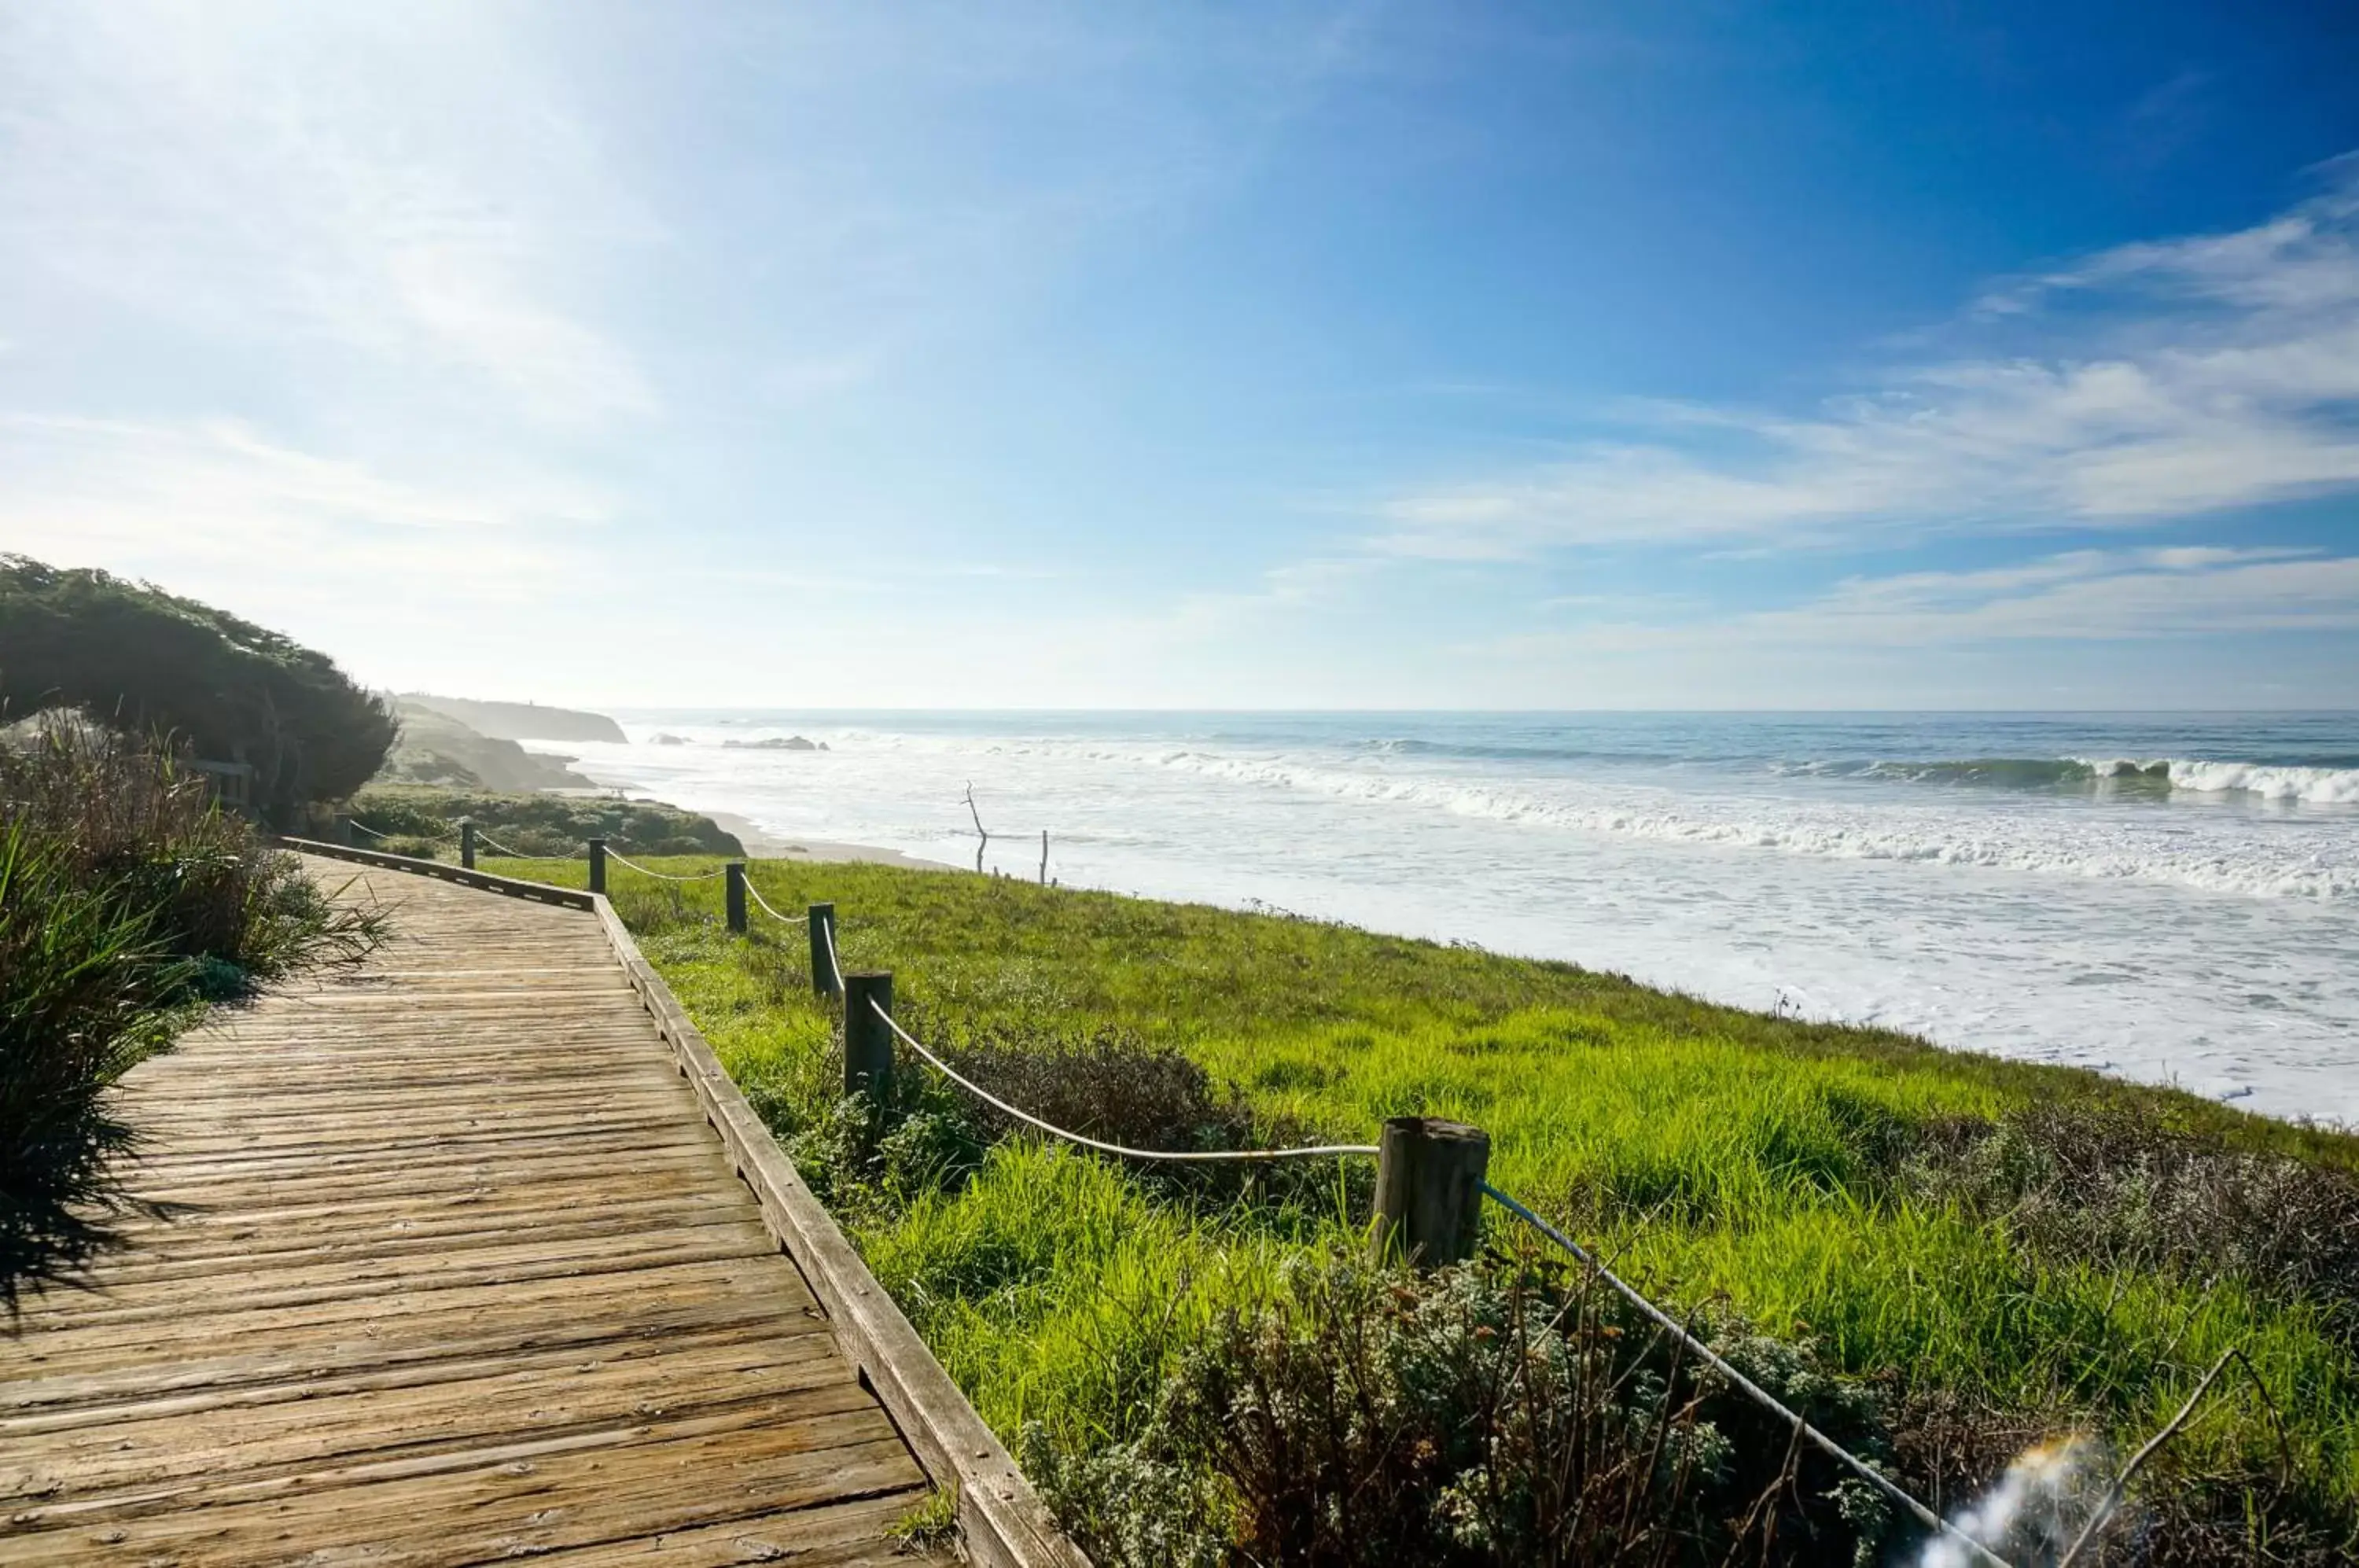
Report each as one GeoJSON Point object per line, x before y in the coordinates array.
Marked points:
{"type": "Point", "coordinates": [981, 834]}
{"type": "Point", "coordinates": [2121, 1483]}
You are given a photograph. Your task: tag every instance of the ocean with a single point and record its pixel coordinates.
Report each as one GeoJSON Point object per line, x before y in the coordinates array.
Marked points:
{"type": "Point", "coordinates": [2169, 898]}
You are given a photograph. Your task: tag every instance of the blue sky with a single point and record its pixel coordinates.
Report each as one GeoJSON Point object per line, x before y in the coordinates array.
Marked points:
{"type": "Point", "coordinates": [1656, 355]}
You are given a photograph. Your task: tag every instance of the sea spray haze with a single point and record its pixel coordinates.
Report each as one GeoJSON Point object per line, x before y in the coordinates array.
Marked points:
{"type": "Point", "coordinates": [2170, 897]}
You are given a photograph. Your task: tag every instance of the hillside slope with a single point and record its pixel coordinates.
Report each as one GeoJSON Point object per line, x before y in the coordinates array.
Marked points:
{"type": "Point", "coordinates": [519, 721]}
{"type": "Point", "coordinates": [435, 749]}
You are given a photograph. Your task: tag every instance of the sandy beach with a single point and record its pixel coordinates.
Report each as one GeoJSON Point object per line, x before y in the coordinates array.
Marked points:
{"type": "Point", "coordinates": [762, 845]}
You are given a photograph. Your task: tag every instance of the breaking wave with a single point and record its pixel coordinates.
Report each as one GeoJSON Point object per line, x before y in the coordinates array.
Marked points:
{"type": "Point", "coordinates": [2325, 786]}
{"type": "Point", "coordinates": [2010, 843]}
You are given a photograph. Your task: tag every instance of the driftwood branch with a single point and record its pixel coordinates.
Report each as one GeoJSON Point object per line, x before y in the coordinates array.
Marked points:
{"type": "Point", "coordinates": [981, 834]}
{"type": "Point", "coordinates": [983, 837]}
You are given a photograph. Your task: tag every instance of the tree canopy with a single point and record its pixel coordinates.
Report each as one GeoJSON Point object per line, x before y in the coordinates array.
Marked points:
{"type": "Point", "coordinates": [134, 658]}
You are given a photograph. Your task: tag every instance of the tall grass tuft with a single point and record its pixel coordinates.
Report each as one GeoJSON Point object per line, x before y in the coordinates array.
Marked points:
{"type": "Point", "coordinates": [127, 902]}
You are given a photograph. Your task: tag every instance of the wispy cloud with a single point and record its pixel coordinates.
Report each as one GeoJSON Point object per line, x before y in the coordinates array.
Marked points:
{"type": "Point", "coordinates": [2213, 372]}
{"type": "Point", "coordinates": [2089, 595]}
{"type": "Point", "coordinates": [276, 179]}
{"type": "Point", "coordinates": [213, 498]}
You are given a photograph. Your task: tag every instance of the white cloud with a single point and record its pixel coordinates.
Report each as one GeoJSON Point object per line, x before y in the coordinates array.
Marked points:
{"type": "Point", "coordinates": [213, 499]}
{"type": "Point", "coordinates": [2090, 595]}
{"type": "Point", "coordinates": [276, 179]}
{"type": "Point", "coordinates": [2225, 372]}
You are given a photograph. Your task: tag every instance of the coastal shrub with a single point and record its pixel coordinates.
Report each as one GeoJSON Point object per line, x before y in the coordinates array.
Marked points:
{"type": "Point", "coordinates": [1100, 1081]}
{"type": "Point", "coordinates": [2116, 1184]}
{"type": "Point", "coordinates": [537, 825]}
{"type": "Point", "coordinates": [85, 992]}
{"type": "Point", "coordinates": [127, 901]}
{"type": "Point", "coordinates": [150, 663]}
{"type": "Point", "coordinates": [1493, 1414]}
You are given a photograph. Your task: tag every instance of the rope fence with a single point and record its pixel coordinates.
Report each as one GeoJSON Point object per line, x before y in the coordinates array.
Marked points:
{"type": "Point", "coordinates": [618, 858]}
{"type": "Point", "coordinates": [827, 941]}
{"type": "Point", "coordinates": [764, 905]}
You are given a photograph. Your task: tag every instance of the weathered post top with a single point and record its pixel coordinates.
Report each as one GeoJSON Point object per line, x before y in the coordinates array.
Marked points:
{"type": "Point", "coordinates": [1429, 1175]}
{"type": "Point", "coordinates": [868, 1039]}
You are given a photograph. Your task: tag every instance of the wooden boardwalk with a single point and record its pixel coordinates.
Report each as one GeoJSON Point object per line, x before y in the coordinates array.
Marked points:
{"type": "Point", "coordinates": [462, 1275]}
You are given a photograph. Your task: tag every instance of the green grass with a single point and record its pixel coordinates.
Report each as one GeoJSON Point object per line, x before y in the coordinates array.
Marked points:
{"type": "Point", "coordinates": [1719, 1155]}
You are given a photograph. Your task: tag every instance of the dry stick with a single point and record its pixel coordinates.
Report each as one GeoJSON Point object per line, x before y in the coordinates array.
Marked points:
{"type": "Point", "coordinates": [981, 834]}
{"type": "Point", "coordinates": [2121, 1483]}
{"type": "Point", "coordinates": [2276, 1421]}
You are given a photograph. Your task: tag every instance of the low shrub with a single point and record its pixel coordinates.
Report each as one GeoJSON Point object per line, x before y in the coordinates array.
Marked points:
{"type": "Point", "coordinates": [2112, 1183]}
{"type": "Point", "coordinates": [1494, 1414]}
{"type": "Point", "coordinates": [86, 990]}
{"type": "Point", "coordinates": [536, 825]}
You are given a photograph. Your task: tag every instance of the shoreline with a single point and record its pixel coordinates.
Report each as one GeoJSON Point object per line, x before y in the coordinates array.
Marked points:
{"type": "Point", "coordinates": [761, 844]}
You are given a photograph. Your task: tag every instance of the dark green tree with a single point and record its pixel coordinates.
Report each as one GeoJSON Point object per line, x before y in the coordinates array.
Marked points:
{"type": "Point", "coordinates": [137, 658]}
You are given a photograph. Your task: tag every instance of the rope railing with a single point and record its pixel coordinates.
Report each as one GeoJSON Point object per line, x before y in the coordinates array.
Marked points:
{"type": "Point", "coordinates": [1028, 1119]}
{"type": "Point", "coordinates": [764, 904]}
{"type": "Point", "coordinates": [1760, 1396]}
{"type": "Point", "coordinates": [834, 965]}
{"type": "Point", "coordinates": [484, 841]}
{"type": "Point", "coordinates": [662, 875]}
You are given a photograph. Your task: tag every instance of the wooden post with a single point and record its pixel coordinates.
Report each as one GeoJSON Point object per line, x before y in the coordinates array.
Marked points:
{"type": "Point", "coordinates": [867, 1039]}
{"type": "Point", "coordinates": [342, 833]}
{"type": "Point", "coordinates": [597, 865]}
{"type": "Point", "coordinates": [1429, 1191]}
{"type": "Point", "coordinates": [733, 895]}
{"type": "Point", "coordinates": [467, 842]}
{"type": "Point", "coordinates": [822, 943]}
{"type": "Point", "coordinates": [1044, 857]}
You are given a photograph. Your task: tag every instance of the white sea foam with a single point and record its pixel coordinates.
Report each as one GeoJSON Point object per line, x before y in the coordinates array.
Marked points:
{"type": "Point", "coordinates": [2319, 786]}
{"type": "Point", "coordinates": [2036, 844]}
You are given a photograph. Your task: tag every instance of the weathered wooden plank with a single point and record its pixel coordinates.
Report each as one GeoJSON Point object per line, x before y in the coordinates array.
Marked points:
{"type": "Point", "coordinates": [312, 1286]}
{"type": "Point", "coordinates": [837, 1535]}
{"type": "Point", "coordinates": [217, 1441]}
{"type": "Point", "coordinates": [88, 1387]}
{"type": "Point", "coordinates": [448, 1511]}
